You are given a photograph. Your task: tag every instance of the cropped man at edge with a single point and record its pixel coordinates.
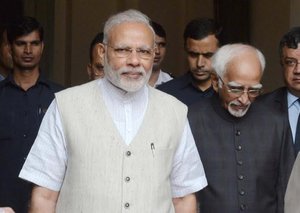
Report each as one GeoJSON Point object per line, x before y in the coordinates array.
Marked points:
{"type": "Point", "coordinates": [106, 155]}
{"type": "Point", "coordinates": [286, 99]}
{"type": "Point", "coordinates": [201, 41]}
{"type": "Point", "coordinates": [5, 57]}
{"type": "Point", "coordinates": [24, 98]}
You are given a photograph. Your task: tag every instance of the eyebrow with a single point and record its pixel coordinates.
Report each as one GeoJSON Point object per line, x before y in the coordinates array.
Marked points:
{"type": "Point", "coordinates": [128, 46]}
{"type": "Point", "coordinates": [235, 84]}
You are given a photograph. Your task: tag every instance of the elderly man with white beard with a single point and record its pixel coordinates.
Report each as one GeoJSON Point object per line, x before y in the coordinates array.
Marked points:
{"type": "Point", "coordinates": [116, 144]}
{"type": "Point", "coordinates": [246, 148]}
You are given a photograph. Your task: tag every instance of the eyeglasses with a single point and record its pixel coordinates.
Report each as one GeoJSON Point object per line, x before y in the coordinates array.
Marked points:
{"type": "Point", "coordinates": [125, 52]}
{"type": "Point", "coordinates": [238, 91]}
{"type": "Point", "coordinates": [291, 63]}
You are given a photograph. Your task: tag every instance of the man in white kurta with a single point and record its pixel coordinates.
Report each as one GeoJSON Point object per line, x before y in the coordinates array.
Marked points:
{"type": "Point", "coordinates": [115, 144]}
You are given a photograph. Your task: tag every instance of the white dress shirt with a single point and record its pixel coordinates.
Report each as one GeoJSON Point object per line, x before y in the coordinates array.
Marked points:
{"type": "Point", "coordinates": [162, 78]}
{"type": "Point", "coordinates": [294, 110]}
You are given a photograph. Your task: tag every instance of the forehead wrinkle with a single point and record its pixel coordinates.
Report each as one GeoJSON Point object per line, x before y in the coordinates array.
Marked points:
{"type": "Point", "coordinates": [122, 33]}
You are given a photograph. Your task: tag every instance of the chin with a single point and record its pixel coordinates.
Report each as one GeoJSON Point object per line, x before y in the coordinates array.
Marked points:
{"type": "Point", "coordinates": [238, 113]}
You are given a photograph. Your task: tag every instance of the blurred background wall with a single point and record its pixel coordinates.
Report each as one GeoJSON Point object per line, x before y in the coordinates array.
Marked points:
{"type": "Point", "coordinates": [70, 25]}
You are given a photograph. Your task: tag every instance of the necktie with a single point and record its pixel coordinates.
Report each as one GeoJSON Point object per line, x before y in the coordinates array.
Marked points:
{"type": "Point", "coordinates": [297, 137]}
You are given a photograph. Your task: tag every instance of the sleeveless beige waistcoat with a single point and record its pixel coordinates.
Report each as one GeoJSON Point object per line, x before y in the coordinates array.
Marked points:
{"type": "Point", "coordinates": [103, 173]}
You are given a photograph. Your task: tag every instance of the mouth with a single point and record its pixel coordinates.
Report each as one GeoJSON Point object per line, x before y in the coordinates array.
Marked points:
{"type": "Point", "coordinates": [201, 72]}
{"type": "Point", "coordinates": [27, 59]}
{"type": "Point", "coordinates": [132, 75]}
{"type": "Point", "coordinates": [156, 59]}
{"type": "Point", "coordinates": [239, 106]}
{"type": "Point", "coordinates": [297, 79]}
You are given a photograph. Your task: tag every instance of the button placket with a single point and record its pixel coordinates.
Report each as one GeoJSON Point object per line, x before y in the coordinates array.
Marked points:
{"type": "Point", "coordinates": [240, 178]}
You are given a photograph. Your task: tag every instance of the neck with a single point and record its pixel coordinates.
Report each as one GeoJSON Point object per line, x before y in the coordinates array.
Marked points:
{"type": "Point", "coordinates": [154, 77]}
{"type": "Point", "coordinates": [25, 78]}
{"type": "Point", "coordinates": [202, 85]}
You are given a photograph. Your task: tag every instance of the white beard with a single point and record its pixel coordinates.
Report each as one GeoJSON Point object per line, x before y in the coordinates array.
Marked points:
{"type": "Point", "coordinates": [124, 83]}
{"type": "Point", "coordinates": [237, 113]}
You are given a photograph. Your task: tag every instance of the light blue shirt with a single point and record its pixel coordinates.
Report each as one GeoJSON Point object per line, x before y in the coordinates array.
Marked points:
{"type": "Point", "coordinates": [294, 110]}
{"type": "Point", "coordinates": [1, 77]}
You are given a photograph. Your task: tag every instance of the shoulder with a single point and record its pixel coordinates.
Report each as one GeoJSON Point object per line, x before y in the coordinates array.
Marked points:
{"type": "Point", "coordinates": [166, 100]}
{"type": "Point", "coordinates": [263, 111]}
{"type": "Point", "coordinates": [79, 90]}
{"type": "Point", "coordinates": [55, 86]}
{"type": "Point", "coordinates": [278, 94]}
{"type": "Point", "coordinates": [205, 103]}
{"type": "Point", "coordinates": [276, 99]}
{"type": "Point", "coordinates": [165, 75]}
{"type": "Point", "coordinates": [175, 83]}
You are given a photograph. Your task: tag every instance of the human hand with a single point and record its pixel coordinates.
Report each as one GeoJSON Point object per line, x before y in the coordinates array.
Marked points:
{"type": "Point", "coordinates": [6, 210]}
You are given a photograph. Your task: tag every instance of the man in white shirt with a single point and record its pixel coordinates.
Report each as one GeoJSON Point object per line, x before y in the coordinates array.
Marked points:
{"type": "Point", "coordinates": [102, 146]}
{"type": "Point", "coordinates": [158, 76]}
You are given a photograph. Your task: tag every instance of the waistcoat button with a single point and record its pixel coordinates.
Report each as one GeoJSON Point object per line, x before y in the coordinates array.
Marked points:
{"type": "Point", "coordinates": [241, 177]}
{"type": "Point", "coordinates": [239, 148]}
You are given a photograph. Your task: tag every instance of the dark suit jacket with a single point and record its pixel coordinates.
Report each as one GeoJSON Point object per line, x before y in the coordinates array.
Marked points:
{"type": "Point", "coordinates": [276, 99]}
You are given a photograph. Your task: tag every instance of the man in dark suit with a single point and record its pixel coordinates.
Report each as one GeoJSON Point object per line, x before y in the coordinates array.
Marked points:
{"type": "Point", "coordinates": [246, 148]}
{"type": "Point", "coordinates": [201, 41]}
{"type": "Point", "coordinates": [286, 98]}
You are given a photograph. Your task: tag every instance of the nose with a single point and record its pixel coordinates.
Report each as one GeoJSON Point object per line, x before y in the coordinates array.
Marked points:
{"type": "Point", "coordinates": [244, 98]}
{"type": "Point", "coordinates": [133, 59]}
{"type": "Point", "coordinates": [28, 48]}
{"type": "Point", "coordinates": [297, 69]}
{"type": "Point", "coordinates": [200, 61]}
{"type": "Point", "coordinates": [157, 51]}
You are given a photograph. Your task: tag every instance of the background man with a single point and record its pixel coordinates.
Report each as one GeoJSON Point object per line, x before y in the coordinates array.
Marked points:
{"type": "Point", "coordinates": [95, 67]}
{"type": "Point", "coordinates": [286, 99]}
{"type": "Point", "coordinates": [5, 57]}
{"type": "Point", "coordinates": [105, 155]}
{"type": "Point", "coordinates": [201, 40]}
{"type": "Point", "coordinates": [24, 98]}
{"type": "Point", "coordinates": [158, 76]}
{"type": "Point", "coordinates": [245, 147]}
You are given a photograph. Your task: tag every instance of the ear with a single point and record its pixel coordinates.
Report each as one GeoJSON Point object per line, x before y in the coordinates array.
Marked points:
{"type": "Point", "coordinates": [42, 47]}
{"type": "Point", "coordinates": [89, 70]}
{"type": "Point", "coordinates": [215, 81]}
{"type": "Point", "coordinates": [9, 48]}
{"type": "Point", "coordinates": [100, 51]}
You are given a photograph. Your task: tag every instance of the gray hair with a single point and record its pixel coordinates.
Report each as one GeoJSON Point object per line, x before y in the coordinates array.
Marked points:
{"type": "Point", "coordinates": [126, 16]}
{"type": "Point", "coordinates": [228, 52]}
